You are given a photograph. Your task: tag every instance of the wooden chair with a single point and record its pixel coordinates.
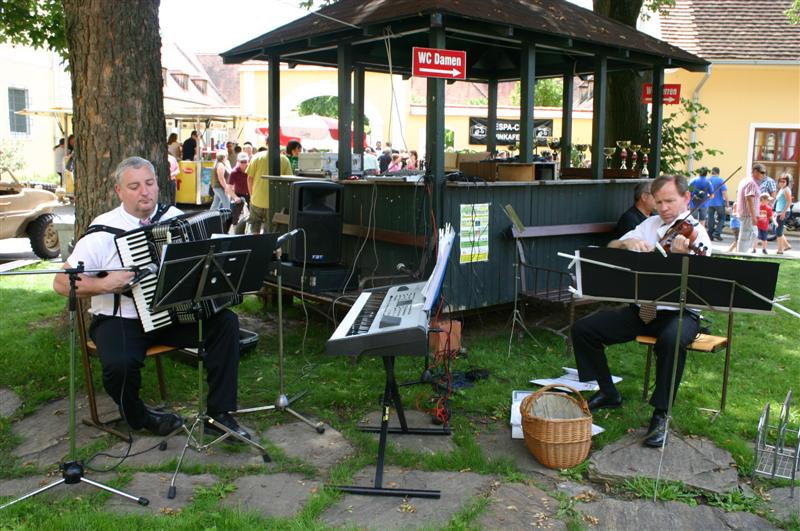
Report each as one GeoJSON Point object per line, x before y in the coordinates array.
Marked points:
{"type": "Point", "coordinates": [703, 343]}
{"type": "Point", "coordinates": [89, 350]}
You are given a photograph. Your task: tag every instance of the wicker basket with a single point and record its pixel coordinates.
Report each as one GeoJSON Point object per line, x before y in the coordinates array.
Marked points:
{"type": "Point", "coordinates": [557, 427]}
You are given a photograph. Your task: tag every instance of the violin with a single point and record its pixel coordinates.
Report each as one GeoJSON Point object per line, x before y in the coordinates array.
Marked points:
{"type": "Point", "coordinates": [688, 230]}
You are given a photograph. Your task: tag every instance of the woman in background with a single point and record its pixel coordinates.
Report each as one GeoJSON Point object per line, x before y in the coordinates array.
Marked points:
{"type": "Point", "coordinates": [413, 160]}
{"type": "Point", "coordinates": [222, 190]}
{"type": "Point", "coordinates": [173, 146]}
{"type": "Point", "coordinates": [783, 203]}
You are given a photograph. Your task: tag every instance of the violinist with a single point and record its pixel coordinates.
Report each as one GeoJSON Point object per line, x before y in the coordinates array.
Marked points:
{"type": "Point", "coordinates": [591, 334]}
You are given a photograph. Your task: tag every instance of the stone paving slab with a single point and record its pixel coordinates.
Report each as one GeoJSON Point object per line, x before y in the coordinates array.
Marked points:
{"type": "Point", "coordinates": [387, 512]}
{"type": "Point", "coordinates": [515, 506]}
{"type": "Point", "coordinates": [695, 461]}
{"type": "Point", "coordinates": [301, 441]}
{"type": "Point", "coordinates": [782, 505]}
{"type": "Point", "coordinates": [657, 516]}
{"type": "Point", "coordinates": [9, 402]}
{"type": "Point", "coordinates": [44, 433]}
{"type": "Point", "coordinates": [272, 495]}
{"type": "Point", "coordinates": [423, 444]}
{"type": "Point", "coordinates": [14, 488]}
{"type": "Point", "coordinates": [496, 442]}
{"type": "Point", "coordinates": [154, 487]}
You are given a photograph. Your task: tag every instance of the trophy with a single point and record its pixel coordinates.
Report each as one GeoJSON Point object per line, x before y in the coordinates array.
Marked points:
{"type": "Point", "coordinates": [623, 145]}
{"type": "Point", "coordinates": [635, 148]}
{"type": "Point", "coordinates": [581, 148]}
{"type": "Point", "coordinates": [645, 171]}
{"type": "Point", "coordinates": [554, 143]}
{"type": "Point", "coordinates": [609, 152]}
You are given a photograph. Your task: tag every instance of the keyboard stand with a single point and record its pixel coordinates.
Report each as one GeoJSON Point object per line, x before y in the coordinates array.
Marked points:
{"type": "Point", "coordinates": [391, 397]}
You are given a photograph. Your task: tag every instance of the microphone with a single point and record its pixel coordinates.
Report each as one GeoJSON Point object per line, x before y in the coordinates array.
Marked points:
{"type": "Point", "coordinates": [149, 269]}
{"type": "Point", "coordinates": [281, 240]}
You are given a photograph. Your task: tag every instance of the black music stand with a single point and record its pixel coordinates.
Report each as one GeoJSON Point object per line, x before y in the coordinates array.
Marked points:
{"type": "Point", "coordinates": [72, 471]}
{"type": "Point", "coordinates": [204, 270]}
{"type": "Point", "coordinates": [702, 283]}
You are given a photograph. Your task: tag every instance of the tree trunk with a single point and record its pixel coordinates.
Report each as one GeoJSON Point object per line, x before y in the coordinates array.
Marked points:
{"type": "Point", "coordinates": [626, 117]}
{"type": "Point", "coordinates": [117, 97]}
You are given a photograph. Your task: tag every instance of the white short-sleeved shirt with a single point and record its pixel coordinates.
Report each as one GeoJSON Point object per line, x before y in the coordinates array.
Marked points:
{"type": "Point", "coordinates": [98, 251]}
{"type": "Point", "coordinates": [653, 228]}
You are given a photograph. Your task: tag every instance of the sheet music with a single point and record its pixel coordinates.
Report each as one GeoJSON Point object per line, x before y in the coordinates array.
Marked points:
{"type": "Point", "coordinates": [434, 284]}
{"type": "Point", "coordinates": [570, 378]}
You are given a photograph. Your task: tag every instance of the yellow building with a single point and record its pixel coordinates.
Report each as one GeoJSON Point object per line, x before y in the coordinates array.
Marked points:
{"type": "Point", "coordinates": [753, 88]}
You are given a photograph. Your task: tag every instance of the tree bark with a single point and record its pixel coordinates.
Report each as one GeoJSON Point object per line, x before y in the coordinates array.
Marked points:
{"type": "Point", "coordinates": [117, 97]}
{"type": "Point", "coordinates": [626, 115]}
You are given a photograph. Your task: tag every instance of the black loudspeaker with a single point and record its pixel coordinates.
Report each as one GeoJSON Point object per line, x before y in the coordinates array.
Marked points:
{"type": "Point", "coordinates": [316, 207]}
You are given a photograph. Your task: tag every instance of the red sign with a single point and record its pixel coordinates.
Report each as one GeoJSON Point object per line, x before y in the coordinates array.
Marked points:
{"type": "Point", "coordinates": [670, 95]}
{"type": "Point", "coordinates": [436, 62]}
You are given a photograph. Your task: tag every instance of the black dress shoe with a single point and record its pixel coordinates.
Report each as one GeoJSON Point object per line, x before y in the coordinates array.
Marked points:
{"type": "Point", "coordinates": [229, 422]}
{"type": "Point", "coordinates": [162, 423]}
{"type": "Point", "coordinates": [600, 400]}
{"type": "Point", "coordinates": [657, 432]}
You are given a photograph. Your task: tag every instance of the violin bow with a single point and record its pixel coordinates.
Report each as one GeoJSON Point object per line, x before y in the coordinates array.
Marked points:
{"type": "Point", "coordinates": [674, 227]}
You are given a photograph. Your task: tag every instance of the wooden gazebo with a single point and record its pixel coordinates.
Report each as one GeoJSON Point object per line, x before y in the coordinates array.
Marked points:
{"type": "Point", "coordinates": [504, 40]}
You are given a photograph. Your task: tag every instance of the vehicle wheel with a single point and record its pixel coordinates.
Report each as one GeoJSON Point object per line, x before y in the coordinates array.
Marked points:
{"type": "Point", "coordinates": [44, 237]}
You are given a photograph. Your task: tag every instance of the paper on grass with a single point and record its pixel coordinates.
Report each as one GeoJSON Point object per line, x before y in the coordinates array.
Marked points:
{"type": "Point", "coordinates": [570, 378]}
{"type": "Point", "coordinates": [516, 417]}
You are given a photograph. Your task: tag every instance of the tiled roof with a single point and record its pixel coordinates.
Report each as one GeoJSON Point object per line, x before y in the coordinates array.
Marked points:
{"type": "Point", "coordinates": [755, 30]}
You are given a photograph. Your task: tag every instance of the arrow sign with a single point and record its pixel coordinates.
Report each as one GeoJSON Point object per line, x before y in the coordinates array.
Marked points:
{"type": "Point", "coordinates": [438, 62]}
{"type": "Point", "coordinates": [670, 95]}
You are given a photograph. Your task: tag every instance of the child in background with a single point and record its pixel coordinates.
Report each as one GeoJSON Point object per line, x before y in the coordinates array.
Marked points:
{"type": "Point", "coordinates": [735, 224]}
{"type": "Point", "coordinates": [765, 216]}
{"type": "Point", "coordinates": [396, 164]}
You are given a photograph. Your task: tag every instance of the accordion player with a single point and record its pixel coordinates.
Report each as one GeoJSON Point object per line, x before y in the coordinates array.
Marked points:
{"type": "Point", "coordinates": [119, 330]}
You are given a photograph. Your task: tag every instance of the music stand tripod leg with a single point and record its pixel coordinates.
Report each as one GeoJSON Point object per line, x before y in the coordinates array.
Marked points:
{"type": "Point", "coordinates": [202, 417]}
{"type": "Point", "coordinates": [72, 471]}
{"type": "Point", "coordinates": [282, 403]}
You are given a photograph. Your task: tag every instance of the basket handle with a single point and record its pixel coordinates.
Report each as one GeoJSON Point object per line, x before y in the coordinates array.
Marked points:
{"type": "Point", "coordinates": [581, 401]}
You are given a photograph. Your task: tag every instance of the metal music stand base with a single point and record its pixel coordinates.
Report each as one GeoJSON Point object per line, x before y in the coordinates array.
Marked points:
{"type": "Point", "coordinates": [282, 403]}
{"type": "Point", "coordinates": [391, 398]}
{"type": "Point", "coordinates": [72, 471]}
{"type": "Point", "coordinates": [197, 442]}
{"type": "Point", "coordinates": [72, 474]}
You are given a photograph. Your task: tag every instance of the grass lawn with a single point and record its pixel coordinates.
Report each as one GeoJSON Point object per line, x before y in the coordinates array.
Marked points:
{"type": "Point", "coordinates": [33, 362]}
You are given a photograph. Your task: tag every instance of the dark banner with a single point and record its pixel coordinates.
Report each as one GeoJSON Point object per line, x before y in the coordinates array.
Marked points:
{"type": "Point", "coordinates": [506, 132]}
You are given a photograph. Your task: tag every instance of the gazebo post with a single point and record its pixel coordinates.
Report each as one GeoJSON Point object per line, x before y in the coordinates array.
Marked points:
{"type": "Point", "coordinates": [491, 118]}
{"type": "Point", "coordinates": [344, 56]}
{"type": "Point", "coordinates": [656, 117]}
{"type": "Point", "coordinates": [274, 114]}
{"type": "Point", "coordinates": [599, 115]}
{"type": "Point", "coordinates": [566, 116]}
{"type": "Point", "coordinates": [527, 88]}
{"type": "Point", "coordinates": [358, 117]}
{"type": "Point", "coordinates": [434, 138]}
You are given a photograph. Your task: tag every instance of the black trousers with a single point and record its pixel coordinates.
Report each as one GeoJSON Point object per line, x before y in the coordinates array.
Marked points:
{"type": "Point", "coordinates": [591, 334]}
{"type": "Point", "coordinates": [121, 345]}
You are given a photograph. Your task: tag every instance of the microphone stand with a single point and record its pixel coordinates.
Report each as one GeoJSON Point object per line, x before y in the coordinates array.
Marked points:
{"type": "Point", "coordinates": [72, 471]}
{"type": "Point", "coordinates": [283, 403]}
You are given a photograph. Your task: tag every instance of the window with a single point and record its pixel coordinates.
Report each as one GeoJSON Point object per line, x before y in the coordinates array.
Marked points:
{"type": "Point", "coordinates": [201, 84]}
{"type": "Point", "coordinates": [18, 100]}
{"type": "Point", "coordinates": [779, 150]}
{"type": "Point", "coordinates": [182, 79]}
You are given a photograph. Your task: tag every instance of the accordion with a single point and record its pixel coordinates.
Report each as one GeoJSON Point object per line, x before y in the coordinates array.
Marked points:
{"type": "Point", "coordinates": [142, 247]}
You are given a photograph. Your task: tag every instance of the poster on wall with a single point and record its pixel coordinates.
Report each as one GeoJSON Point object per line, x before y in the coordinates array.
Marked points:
{"type": "Point", "coordinates": [474, 233]}
{"type": "Point", "coordinates": [506, 131]}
